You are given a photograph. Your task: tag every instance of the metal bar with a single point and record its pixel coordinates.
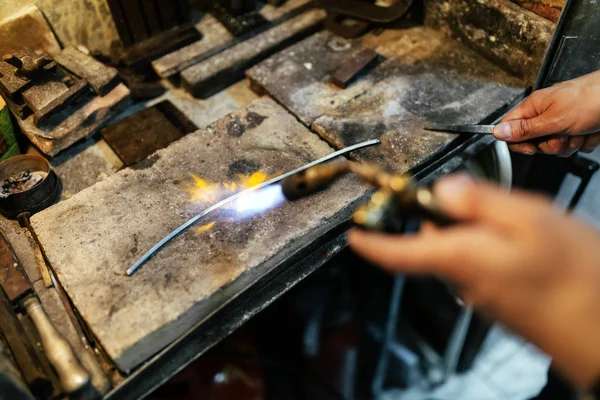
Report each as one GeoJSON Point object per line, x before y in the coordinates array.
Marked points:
{"type": "Point", "coordinates": [457, 342]}
{"type": "Point", "coordinates": [228, 200]}
{"type": "Point", "coordinates": [553, 46]}
{"type": "Point", "coordinates": [389, 336]}
{"type": "Point", "coordinates": [471, 129]}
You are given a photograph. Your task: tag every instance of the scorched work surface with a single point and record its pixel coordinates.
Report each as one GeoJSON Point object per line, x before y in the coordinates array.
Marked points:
{"type": "Point", "coordinates": [424, 77]}
{"type": "Point", "coordinates": [92, 238]}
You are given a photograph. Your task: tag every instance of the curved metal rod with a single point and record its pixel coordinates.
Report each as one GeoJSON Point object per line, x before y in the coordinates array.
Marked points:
{"type": "Point", "coordinates": [228, 200]}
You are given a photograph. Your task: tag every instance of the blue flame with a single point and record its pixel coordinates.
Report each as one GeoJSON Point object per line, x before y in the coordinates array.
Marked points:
{"type": "Point", "coordinates": [258, 202]}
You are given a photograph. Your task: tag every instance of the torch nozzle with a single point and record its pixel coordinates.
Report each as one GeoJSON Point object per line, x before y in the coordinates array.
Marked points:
{"type": "Point", "coordinates": [396, 195]}
{"type": "Point", "coordinates": [313, 180]}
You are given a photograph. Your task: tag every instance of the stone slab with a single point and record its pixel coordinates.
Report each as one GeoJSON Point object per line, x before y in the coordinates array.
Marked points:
{"type": "Point", "coordinates": [438, 80]}
{"type": "Point", "coordinates": [208, 76]}
{"type": "Point", "coordinates": [77, 124]}
{"type": "Point", "coordinates": [95, 236]}
{"type": "Point", "coordinates": [216, 38]}
{"type": "Point", "coordinates": [100, 77]}
{"type": "Point", "coordinates": [298, 77]}
{"type": "Point", "coordinates": [509, 35]}
{"type": "Point", "coordinates": [27, 28]}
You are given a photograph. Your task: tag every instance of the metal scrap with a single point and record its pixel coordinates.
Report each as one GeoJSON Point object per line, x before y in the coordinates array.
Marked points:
{"type": "Point", "coordinates": [353, 67]}
{"type": "Point", "coordinates": [21, 182]}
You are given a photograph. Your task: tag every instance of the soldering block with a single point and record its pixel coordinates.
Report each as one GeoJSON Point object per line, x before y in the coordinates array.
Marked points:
{"type": "Point", "coordinates": [92, 238]}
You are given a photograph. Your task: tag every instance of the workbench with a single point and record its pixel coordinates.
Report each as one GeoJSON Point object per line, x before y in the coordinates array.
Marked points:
{"type": "Point", "coordinates": [209, 281]}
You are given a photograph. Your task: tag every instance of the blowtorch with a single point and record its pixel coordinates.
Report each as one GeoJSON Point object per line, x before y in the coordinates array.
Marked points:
{"type": "Point", "coordinates": [397, 199]}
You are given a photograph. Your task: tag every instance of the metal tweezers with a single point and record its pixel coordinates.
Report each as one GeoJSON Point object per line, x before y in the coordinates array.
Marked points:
{"type": "Point", "coordinates": [220, 204]}
{"type": "Point", "coordinates": [469, 129]}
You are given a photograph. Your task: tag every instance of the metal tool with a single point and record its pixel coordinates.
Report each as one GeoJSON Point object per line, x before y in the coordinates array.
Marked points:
{"type": "Point", "coordinates": [397, 199]}
{"type": "Point", "coordinates": [228, 200]}
{"type": "Point", "coordinates": [18, 289]}
{"type": "Point", "coordinates": [72, 375]}
{"type": "Point", "coordinates": [344, 76]}
{"type": "Point", "coordinates": [470, 129]}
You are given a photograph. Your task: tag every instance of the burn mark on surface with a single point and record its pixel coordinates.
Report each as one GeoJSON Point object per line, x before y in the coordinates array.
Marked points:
{"type": "Point", "coordinates": [355, 132]}
{"type": "Point", "coordinates": [236, 233]}
{"type": "Point", "coordinates": [242, 167]}
{"type": "Point", "coordinates": [254, 119]}
{"type": "Point", "coordinates": [134, 249]}
{"type": "Point", "coordinates": [147, 163]}
{"type": "Point", "coordinates": [235, 128]}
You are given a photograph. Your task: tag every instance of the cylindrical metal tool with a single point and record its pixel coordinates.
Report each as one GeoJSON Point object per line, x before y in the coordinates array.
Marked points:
{"type": "Point", "coordinates": [72, 375]}
{"type": "Point", "coordinates": [313, 180]}
{"type": "Point", "coordinates": [398, 196]}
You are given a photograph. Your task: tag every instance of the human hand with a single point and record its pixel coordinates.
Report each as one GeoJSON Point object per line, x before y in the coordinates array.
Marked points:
{"type": "Point", "coordinates": [564, 119]}
{"type": "Point", "coordinates": [516, 259]}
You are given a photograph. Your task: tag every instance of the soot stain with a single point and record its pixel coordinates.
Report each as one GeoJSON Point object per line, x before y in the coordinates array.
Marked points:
{"type": "Point", "coordinates": [353, 132]}
{"type": "Point", "coordinates": [147, 163]}
{"type": "Point", "coordinates": [254, 119]}
{"type": "Point", "coordinates": [242, 167]}
{"type": "Point", "coordinates": [134, 249]}
{"type": "Point", "coordinates": [235, 128]}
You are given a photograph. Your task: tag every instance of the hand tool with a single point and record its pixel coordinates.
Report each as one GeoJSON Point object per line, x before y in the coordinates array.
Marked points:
{"type": "Point", "coordinates": [228, 200]}
{"type": "Point", "coordinates": [398, 197]}
{"type": "Point", "coordinates": [469, 129]}
{"type": "Point", "coordinates": [19, 291]}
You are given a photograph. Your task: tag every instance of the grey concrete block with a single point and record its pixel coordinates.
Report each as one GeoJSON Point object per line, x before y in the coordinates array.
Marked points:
{"type": "Point", "coordinates": [92, 238]}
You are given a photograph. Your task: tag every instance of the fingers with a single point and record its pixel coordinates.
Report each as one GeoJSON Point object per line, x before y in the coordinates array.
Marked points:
{"type": "Point", "coordinates": [554, 145]}
{"type": "Point", "coordinates": [529, 120]}
{"type": "Point", "coordinates": [563, 146]}
{"type": "Point", "coordinates": [454, 253]}
{"type": "Point", "coordinates": [520, 130]}
{"type": "Point", "coordinates": [573, 146]}
{"type": "Point", "coordinates": [466, 200]}
{"type": "Point", "coordinates": [524, 148]}
{"type": "Point", "coordinates": [591, 142]}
